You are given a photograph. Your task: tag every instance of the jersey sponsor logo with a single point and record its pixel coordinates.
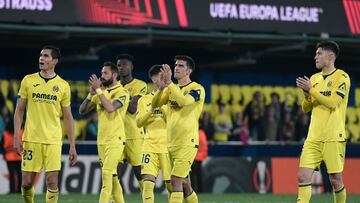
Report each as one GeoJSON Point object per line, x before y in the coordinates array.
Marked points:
{"type": "Point", "coordinates": [56, 88]}
{"type": "Point", "coordinates": [36, 85]}
{"type": "Point", "coordinates": [329, 84]}
{"type": "Point", "coordinates": [44, 97]}
{"type": "Point", "coordinates": [326, 93]}
{"type": "Point", "coordinates": [314, 85]}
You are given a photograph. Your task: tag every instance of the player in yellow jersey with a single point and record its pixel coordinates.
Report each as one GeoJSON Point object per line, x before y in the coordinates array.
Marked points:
{"type": "Point", "coordinates": [185, 102]}
{"type": "Point", "coordinates": [111, 101]}
{"type": "Point", "coordinates": [155, 155]}
{"type": "Point", "coordinates": [326, 96]}
{"type": "Point", "coordinates": [134, 134]}
{"type": "Point", "coordinates": [46, 97]}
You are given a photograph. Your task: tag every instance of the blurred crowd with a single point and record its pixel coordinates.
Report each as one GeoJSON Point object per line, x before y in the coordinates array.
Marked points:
{"type": "Point", "coordinates": [257, 122]}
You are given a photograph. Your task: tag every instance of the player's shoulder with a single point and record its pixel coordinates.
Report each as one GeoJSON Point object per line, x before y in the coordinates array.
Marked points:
{"type": "Point", "coordinates": [32, 76]}
{"type": "Point", "coordinates": [316, 75]}
{"type": "Point", "coordinates": [139, 82]}
{"type": "Point", "coordinates": [195, 85]}
{"type": "Point", "coordinates": [61, 80]}
{"type": "Point", "coordinates": [342, 74]}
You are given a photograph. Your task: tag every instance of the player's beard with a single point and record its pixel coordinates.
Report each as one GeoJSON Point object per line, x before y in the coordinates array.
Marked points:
{"type": "Point", "coordinates": [107, 83]}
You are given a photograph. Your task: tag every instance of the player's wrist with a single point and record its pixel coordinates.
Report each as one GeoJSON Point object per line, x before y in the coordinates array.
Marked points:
{"type": "Point", "coordinates": [89, 96]}
{"type": "Point", "coordinates": [99, 91]}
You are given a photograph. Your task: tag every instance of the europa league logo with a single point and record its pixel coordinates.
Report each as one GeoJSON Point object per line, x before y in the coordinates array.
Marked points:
{"type": "Point", "coordinates": [261, 177]}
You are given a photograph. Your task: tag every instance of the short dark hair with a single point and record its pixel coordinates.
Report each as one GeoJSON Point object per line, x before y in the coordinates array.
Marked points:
{"type": "Point", "coordinates": [154, 70]}
{"type": "Point", "coordinates": [126, 56]}
{"type": "Point", "coordinates": [112, 66]}
{"type": "Point", "coordinates": [190, 62]}
{"type": "Point", "coordinates": [329, 46]}
{"type": "Point", "coordinates": [55, 52]}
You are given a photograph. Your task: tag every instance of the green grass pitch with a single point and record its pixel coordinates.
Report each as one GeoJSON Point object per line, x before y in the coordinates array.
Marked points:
{"type": "Point", "coordinates": [203, 198]}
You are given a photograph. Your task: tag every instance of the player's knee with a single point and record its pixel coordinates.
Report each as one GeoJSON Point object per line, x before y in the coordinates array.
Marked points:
{"type": "Point", "coordinates": [303, 177]}
{"type": "Point", "coordinates": [26, 185]}
{"type": "Point", "coordinates": [147, 177]}
{"type": "Point", "coordinates": [176, 183]}
{"type": "Point", "coordinates": [336, 182]}
{"type": "Point", "coordinates": [52, 182]}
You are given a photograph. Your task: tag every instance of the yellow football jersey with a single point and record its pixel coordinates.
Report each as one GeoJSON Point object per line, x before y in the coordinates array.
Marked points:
{"type": "Point", "coordinates": [135, 87]}
{"type": "Point", "coordinates": [155, 138]}
{"type": "Point", "coordinates": [45, 99]}
{"type": "Point", "coordinates": [329, 99]}
{"type": "Point", "coordinates": [184, 108]}
{"type": "Point", "coordinates": [111, 125]}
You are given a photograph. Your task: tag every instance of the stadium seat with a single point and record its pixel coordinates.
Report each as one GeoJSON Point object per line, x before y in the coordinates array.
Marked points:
{"type": "Point", "coordinates": [15, 85]}
{"type": "Point", "coordinates": [10, 105]}
{"type": "Point", "coordinates": [357, 97]}
{"type": "Point", "coordinates": [235, 94]}
{"type": "Point", "coordinates": [224, 91]}
{"type": "Point", "coordinates": [4, 87]}
{"type": "Point", "coordinates": [354, 131]}
{"type": "Point", "coordinates": [80, 129]}
{"type": "Point", "coordinates": [267, 90]}
{"type": "Point", "coordinates": [214, 93]}
{"type": "Point", "coordinates": [281, 91]}
{"type": "Point", "coordinates": [247, 92]}
{"type": "Point", "coordinates": [351, 115]}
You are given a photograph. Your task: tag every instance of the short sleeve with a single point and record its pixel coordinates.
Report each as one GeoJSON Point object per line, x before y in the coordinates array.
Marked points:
{"type": "Point", "coordinates": [343, 86]}
{"type": "Point", "coordinates": [23, 91]}
{"type": "Point", "coordinates": [66, 99]}
{"type": "Point", "coordinates": [141, 89]}
{"type": "Point", "coordinates": [122, 97]}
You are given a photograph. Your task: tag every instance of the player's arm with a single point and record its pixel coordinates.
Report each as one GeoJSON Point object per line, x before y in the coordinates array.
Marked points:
{"type": "Point", "coordinates": [305, 84]}
{"type": "Point", "coordinates": [107, 104]}
{"type": "Point", "coordinates": [143, 117]}
{"type": "Point", "coordinates": [160, 98]}
{"type": "Point", "coordinates": [18, 119]}
{"type": "Point", "coordinates": [70, 132]}
{"type": "Point", "coordinates": [132, 108]}
{"type": "Point", "coordinates": [87, 105]}
{"type": "Point", "coordinates": [139, 91]}
{"type": "Point", "coordinates": [338, 93]}
{"type": "Point", "coordinates": [306, 104]}
{"type": "Point", "coordinates": [184, 100]}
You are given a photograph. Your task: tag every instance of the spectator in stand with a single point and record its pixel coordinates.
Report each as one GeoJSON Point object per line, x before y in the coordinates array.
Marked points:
{"type": "Point", "coordinates": [254, 112]}
{"type": "Point", "coordinates": [223, 125]}
{"type": "Point", "coordinates": [240, 131]}
{"type": "Point", "coordinates": [92, 127]}
{"type": "Point", "coordinates": [12, 158]}
{"type": "Point", "coordinates": [196, 168]}
{"type": "Point", "coordinates": [207, 125]}
{"type": "Point", "coordinates": [288, 128]}
{"type": "Point", "coordinates": [301, 127]}
{"type": "Point", "coordinates": [271, 124]}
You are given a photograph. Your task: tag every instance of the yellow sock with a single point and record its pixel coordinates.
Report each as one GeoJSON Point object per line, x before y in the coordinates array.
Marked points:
{"type": "Point", "coordinates": [106, 188]}
{"type": "Point", "coordinates": [28, 195]}
{"type": "Point", "coordinates": [148, 191]}
{"type": "Point", "coordinates": [117, 192]}
{"type": "Point", "coordinates": [192, 198]}
{"type": "Point", "coordinates": [304, 193]}
{"type": "Point", "coordinates": [52, 196]}
{"type": "Point", "coordinates": [340, 195]}
{"type": "Point", "coordinates": [176, 197]}
{"type": "Point", "coordinates": [169, 189]}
